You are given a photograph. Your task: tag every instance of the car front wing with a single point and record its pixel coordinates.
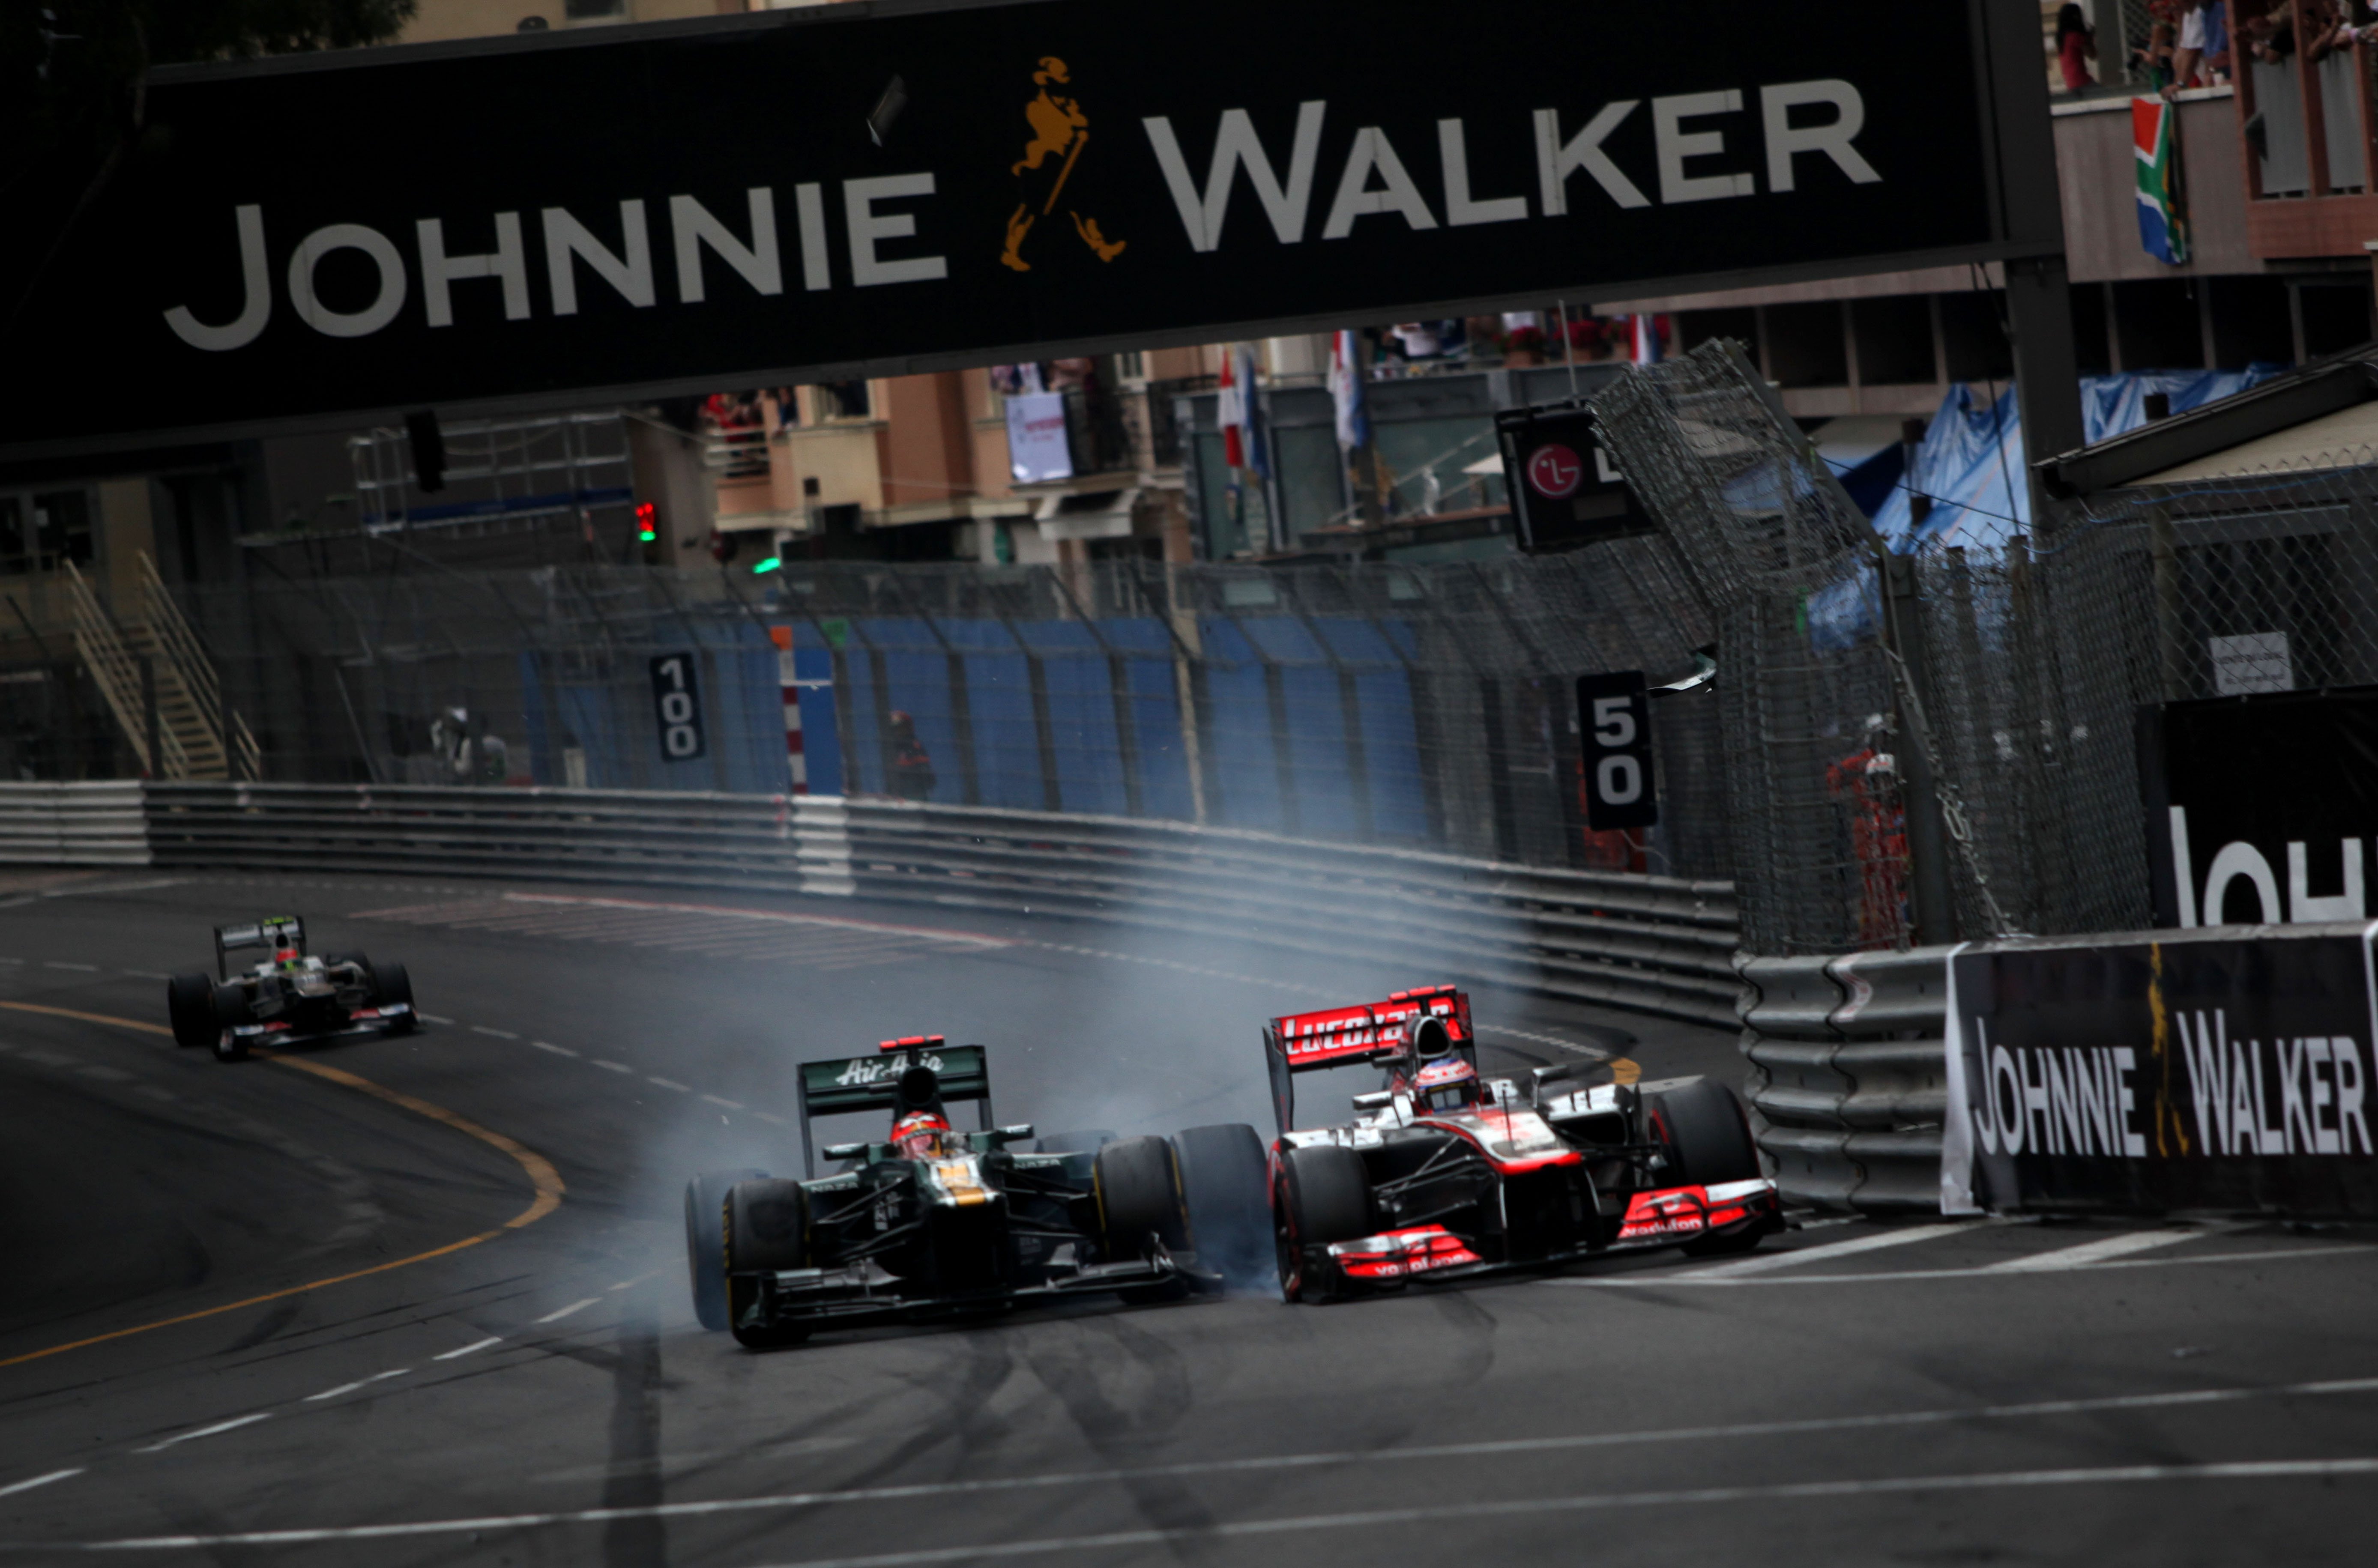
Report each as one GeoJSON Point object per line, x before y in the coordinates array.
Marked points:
{"type": "Point", "coordinates": [858, 1294]}
{"type": "Point", "coordinates": [1664, 1217]}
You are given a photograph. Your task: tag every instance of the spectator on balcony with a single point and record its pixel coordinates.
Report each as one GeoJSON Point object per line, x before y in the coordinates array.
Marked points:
{"type": "Point", "coordinates": [2076, 45]}
{"type": "Point", "coordinates": [911, 769]}
{"type": "Point", "coordinates": [2272, 35]}
{"type": "Point", "coordinates": [2152, 60]}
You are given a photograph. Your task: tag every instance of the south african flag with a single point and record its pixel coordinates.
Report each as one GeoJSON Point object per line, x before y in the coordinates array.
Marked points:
{"type": "Point", "coordinates": [2163, 215]}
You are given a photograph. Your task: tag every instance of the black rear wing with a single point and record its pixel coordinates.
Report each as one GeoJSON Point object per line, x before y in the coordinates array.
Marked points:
{"type": "Point", "coordinates": [274, 932]}
{"type": "Point", "coordinates": [843, 1084]}
{"type": "Point", "coordinates": [1306, 1042]}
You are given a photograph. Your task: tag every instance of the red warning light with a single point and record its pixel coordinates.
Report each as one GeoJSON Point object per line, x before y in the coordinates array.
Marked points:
{"type": "Point", "coordinates": [647, 519]}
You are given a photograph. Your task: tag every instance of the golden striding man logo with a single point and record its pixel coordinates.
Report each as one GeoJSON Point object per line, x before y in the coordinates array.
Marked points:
{"type": "Point", "coordinates": [1059, 128]}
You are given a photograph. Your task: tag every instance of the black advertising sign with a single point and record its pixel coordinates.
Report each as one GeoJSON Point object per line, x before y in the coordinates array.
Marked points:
{"type": "Point", "coordinates": [677, 708]}
{"type": "Point", "coordinates": [2260, 808]}
{"type": "Point", "coordinates": [813, 193]}
{"type": "Point", "coordinates": [1564, 489]}
{"type": "Point", "coordinates": [2211, 1071]}
{"type": "Point", "coordinates": [1614, 735]}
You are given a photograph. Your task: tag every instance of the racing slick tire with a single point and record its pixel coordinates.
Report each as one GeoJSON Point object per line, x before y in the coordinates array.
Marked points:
{"type": "Point", "coordinates": [1139, 1185]}
{"type": "Point", "coordinates": [1084, 1142]}
{"type": "Point", "coordinates": [705, 1258]}
{"type": "Point", "coordinates": [1224, 1178]}
{"type": "Point", "coordinates": [1324, 1196]}
{"type": "Point", "coordinates": [230, 1007]}
{"type": "Point", "coordinates": [764, 1224]}
{"type": "Point", "coordinates": [1708, 1142]}
{"type": "Point", "coordinates": [190, 1007]}
{"type": "Point", "coordinates": [392, 984]}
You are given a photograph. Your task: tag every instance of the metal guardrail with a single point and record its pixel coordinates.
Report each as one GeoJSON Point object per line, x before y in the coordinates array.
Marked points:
{"type": "Point", "coordinates": [1653, 944]}
{"type": "Point", "coordinates": [73, 824]}
{"type": "Point", "coordinates": [1849, 1084]}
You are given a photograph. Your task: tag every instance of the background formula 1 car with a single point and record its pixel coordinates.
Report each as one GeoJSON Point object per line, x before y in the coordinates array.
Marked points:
{"type": "Point", "coordinates": [288, 997]}
{"type": "Point", "coordinates": [1445, 1174]}
{"type": "Point", "coordinates": [934, 1222]}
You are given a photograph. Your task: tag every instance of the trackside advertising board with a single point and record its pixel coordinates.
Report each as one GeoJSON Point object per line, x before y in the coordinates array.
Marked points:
{"type": "Point", "coordinates": [814, 192]}
{"type": "Point", "coordinates": [2225, 1070]}
{"type": "Point", "coordinates": [2260, 808]}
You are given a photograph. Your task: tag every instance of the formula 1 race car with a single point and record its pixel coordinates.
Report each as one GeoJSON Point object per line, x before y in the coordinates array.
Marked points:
{"type": "Point", "coordinates": [287, 998]}
{"type": "Point", "coordinates": [1444, 1174]}
{"type": "Point", "coordinates": [933, 1222]}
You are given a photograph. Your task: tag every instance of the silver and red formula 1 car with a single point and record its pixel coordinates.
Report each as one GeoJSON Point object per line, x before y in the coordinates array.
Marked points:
{"type": "Point", "coordinates": [1444, 1174]}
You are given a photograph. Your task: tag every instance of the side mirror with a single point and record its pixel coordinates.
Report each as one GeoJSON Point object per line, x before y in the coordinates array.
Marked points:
{"type": "Point", "coordinates": [845, 1151]}
{"type": "Point", "coordinates": [1378, 1099]}
{"type": "Point", "coordinates": [1021, 1131]}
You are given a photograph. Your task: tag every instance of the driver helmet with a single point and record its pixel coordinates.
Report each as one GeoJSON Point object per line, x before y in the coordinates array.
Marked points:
{"type": "Point", "coordinates": [286, 958]}
{"type": "Point", "coordinates": [1449, 1083]}
{"type": "Point", "coordinates": [919, 1135]}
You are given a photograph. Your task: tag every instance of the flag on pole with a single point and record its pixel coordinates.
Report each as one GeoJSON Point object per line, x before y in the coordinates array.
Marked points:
{"type": "Point", "coordinates": [2163, 216]}
{"type": "Point", "coordinates": [1231, 410]}
{"type": "Point", "coordinates": [1346, 391]}
{"type": "Point", "coordinates": [1250, 425]}
{"type": "Point", "coordinates": [1646, 335]}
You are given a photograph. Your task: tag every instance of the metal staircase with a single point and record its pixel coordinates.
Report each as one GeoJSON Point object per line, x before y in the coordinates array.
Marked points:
{"type": "Point", "coordinates": [161, 685]}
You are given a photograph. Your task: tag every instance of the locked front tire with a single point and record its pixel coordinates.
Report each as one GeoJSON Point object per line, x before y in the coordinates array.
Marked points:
{"type": "Point", "coordinates": [764, 1225]}
{"type": "Point", "coordinates": [705, 1256]}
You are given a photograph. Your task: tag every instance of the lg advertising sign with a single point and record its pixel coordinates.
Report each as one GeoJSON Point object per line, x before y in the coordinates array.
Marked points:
{"type": "Point", "coordinates": [1564, 490]}
{"type": "Point", "coordinates": [837, 190]}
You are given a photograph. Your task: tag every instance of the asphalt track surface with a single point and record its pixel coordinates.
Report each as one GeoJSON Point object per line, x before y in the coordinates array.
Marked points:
{"type": "Point", "coordinates": [423, 1300]}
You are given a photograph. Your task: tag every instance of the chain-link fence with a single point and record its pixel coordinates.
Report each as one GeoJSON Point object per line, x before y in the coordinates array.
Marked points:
{"type": "Point", "coordinates": [1994, 686]}
{"type": "Point", "coordinates": [2225, 580]}
{"type": "Point", "coordinates": [1429, 705]}
{"type": "Point", "coordinates": [1786, 562]}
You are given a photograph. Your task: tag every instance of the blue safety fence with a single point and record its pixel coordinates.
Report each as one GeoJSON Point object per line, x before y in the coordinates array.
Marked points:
{"type": "Point", "coordinates": [1297, 723]}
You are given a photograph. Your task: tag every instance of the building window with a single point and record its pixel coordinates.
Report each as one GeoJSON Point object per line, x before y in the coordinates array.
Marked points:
{"type": "Point", "coordinates": [39, 531]}
{"type": "Point", "coordinates": [842, 400]}
{"type": "Point", "coordinates": [1131, 368]}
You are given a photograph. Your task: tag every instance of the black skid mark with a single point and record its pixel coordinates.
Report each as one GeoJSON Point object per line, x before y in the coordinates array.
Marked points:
{"type": "Point", "coordinates": [1126, 1391]}
{"type": "Point", "coordinates": [635, 1480]}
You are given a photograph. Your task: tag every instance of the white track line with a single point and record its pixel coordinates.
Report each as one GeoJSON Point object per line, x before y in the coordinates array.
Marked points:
{"type": "Point", "coordinates": [613, 1066]}
{"type": "Point", "coordinates": [1898, 1237]}
{"type": "Point", "coordinates": [1902, 1277]}
{"type": "Point", "coordinates": [350, 1387]}
{"type": "Point", "coordinates": [730, 1105]}
{"type": "Point", "coordinates": [38, 1481]}
{"type": "Point", "coordinates": [555, 1316]}
{"type": "Point", "coordinates": [549, 1046]}
{"type": "Point", "coordinates": [2090, 1254]}
{"type": "Point", "coordinates": [470, 1348]}
{"type": "Point", "coordinates": [220, 1427]}
{"type": "Point", "coordinates": [1372, 1520]}
{"type": "Point", "coordinates": [499, 1033]}
{"type": "Point", "coordinates": [668, 1084]}
{"type": "Point", "coordinates": [2241, 1470]}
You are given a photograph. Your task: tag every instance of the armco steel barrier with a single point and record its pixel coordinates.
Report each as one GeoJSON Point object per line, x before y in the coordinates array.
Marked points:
{"type": "Point", "coordinates": [72, 824]}
{"type": "Point", "coordinates": [1849, 1081]}
{"type": "Point", "coordinates": [1653, 944]}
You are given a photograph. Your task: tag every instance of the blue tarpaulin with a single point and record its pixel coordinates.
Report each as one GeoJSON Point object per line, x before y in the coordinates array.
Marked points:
{"type": "Point", "coordinates": [1972, 460]}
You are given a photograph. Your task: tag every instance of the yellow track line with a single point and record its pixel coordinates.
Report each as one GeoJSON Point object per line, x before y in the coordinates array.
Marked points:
{"type": "Point", "coordinates": [541, 1175]}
